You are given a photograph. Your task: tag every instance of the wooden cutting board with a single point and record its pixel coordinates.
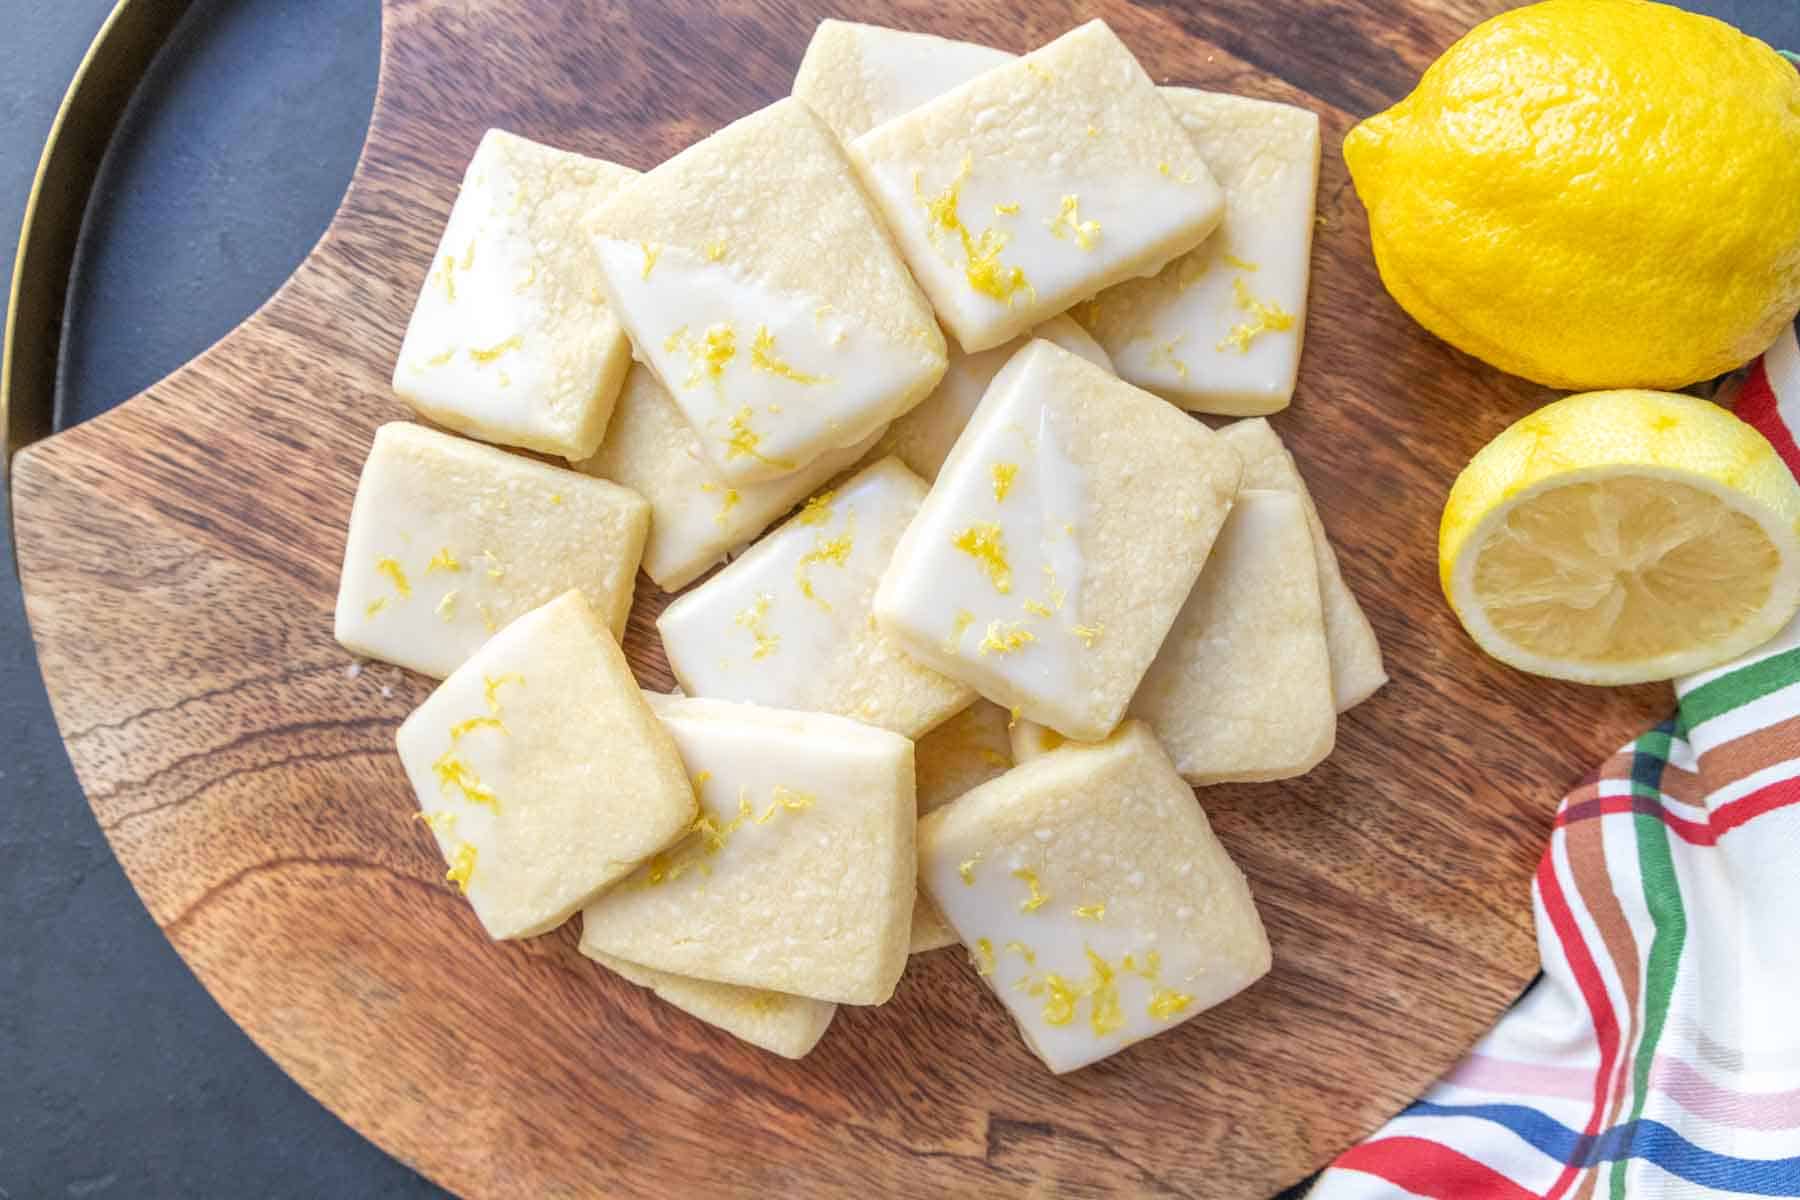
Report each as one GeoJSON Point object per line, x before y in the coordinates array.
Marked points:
{"type": "Point", "coordinates": [180, 556]}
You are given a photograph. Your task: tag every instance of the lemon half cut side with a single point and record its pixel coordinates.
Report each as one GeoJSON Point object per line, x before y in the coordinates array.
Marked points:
{"type": "Point", "coordinates": [1623, 537]}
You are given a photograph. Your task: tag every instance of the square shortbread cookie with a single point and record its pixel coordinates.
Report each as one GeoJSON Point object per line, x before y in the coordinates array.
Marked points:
{"type": "Point", "coordinates": [922, 438]}
{"type": "Point", "coordinates": [1036, 184]}
{"type": "Point", "coordinates": [786, 1025]}
{"type": "Point", "coordinates": [787, 624]}
{"type": "Point", "coordinates": [1241, 689]}
{"type": "Point", "coordinates": [1219, 329]}
{"type": "Point", "coordinates": [963, 753]}
{"type": "Point", "coordinates": [757, 282]}
{"type": "Point", "coordinates": [542, 772]}
{"type": "Point", "coordinates": [859, 76]}
{"type": "Point", "coordinates": [799, 874]}
{"type": "Point", "coordinates": [511, 340]}
{"type": "Point", "coordinates": [696, 518]}
{"type": "Point", "coordinates": [1060, 540]}
{"type": "Point", "coordinates": [1356, 670]}
{"type": "Point", "coordinates": [1095, 899]}
{"type": "Point", "coordinates": [449, 540]}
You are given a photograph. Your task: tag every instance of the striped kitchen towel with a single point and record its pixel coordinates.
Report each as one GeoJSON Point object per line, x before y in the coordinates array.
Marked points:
{"type": "Point", "coordinates": [1659, 1054]}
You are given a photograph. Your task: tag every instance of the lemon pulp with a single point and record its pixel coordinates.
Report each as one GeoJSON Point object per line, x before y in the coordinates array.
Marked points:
{"type": "Point", "coordinates": [1623, 570]}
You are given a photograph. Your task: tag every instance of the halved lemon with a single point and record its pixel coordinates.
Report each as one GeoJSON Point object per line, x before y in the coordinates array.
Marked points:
{"type": "Point", "coordinates": [1622, 537]}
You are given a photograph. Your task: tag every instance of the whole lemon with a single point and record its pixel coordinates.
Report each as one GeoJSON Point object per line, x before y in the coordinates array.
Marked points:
{"type": "Point", "coordinates": [1593, 194]}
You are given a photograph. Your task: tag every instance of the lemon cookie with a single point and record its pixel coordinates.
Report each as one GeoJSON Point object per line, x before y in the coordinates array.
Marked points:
{"type": "Point", "coordinates": [449, 540]}
{"type": "Point", "coordinates": [1094, 897]}
{"type": "Point", "coordinates": [1036, 184]}
{"type": "Point", "coordinates": [758, 283]}
{"type": "Point", "coordinates": [786, 1025]}
{"type": "Point", "coordinates": [799, 873]}
{"type": "Point", "coordinates": [512, 340]}
{"type": "Point", "coordinates": [1241, 689]}
{"type": "Point", "coordinates": [1061, 538]}
{"type": "Point", "coordinates": [787, 624]}
{"type": "Point", "coordinates": [541, 771]}
{"type": "Point", "coordinates": [1356, 670]}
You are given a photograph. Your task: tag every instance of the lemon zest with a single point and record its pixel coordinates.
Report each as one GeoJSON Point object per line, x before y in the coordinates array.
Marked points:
{"type": "Point", "coordinates": [966, 868]}
{"type": "Point", "coordinates": [650, 254]}
{"type": "Point", "coordinates": [744, 441]}
{"type": "Point", "coordinates": [835, 551]}
{"type": "Point", "coordinates": [1090, 912]}
{"type": "Point", "coordinates": [453, 771]}
{"type": "Point", "coordinates": [498, 350]}
{"type": "Point", "coordinates": [1165, 1003]}
{"type": "Point", "coordinates": [964, 619]}
{"type": "Point", "coordinates": [1004, 473]}
{"type": "Point", "coordinates": [462, 866]}
{"type": "Point", "coordinates": [751, 619]}
{"type": "Point", "coordinates": [1000, 639]}
{"type": "Point", "coordinates": [396, 576]}
{"type": "Point", "coordinates": [1038, 896]}
{"type": "Point", "coordinates": [1104, 1012]}
{"type": "Point", "coordinates": [764, 358]}
{"type": "Point", "coordinates": [983, 269]}
{"type": "Point", "coordinates": [443, 560]}
{"type": "Point", "coordinates": [985, 542]}
{"type": "Point", "coordinates": [1163, 354]}
{"type": "Point", "coordinates": [1067, 224]}
{"type": "Point", "coordinates": [708, 355]}
{"type": "Point", "coordinates": [1265, 318]}
{"type": "Point", "coordinates": [816, 511]}
{"type": "Point", "coordinates": [984, 956]}
{"type": "Point", "coordinates": [1059, 1007]}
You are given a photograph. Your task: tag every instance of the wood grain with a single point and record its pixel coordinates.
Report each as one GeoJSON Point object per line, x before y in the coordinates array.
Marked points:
{"type": "Point", "coordinates": [180, 554]}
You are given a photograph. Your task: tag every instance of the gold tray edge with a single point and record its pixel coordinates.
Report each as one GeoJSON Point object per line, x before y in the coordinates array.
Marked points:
{"type": "Point", "coordinates": [97, 96]}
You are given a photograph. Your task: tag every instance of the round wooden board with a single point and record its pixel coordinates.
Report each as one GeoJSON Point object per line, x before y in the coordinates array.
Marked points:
{"type": "Point", "coordinates": [180, 557]}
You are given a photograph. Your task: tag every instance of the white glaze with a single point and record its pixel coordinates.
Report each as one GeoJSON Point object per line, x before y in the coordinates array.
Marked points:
{"type": "Point", "coordinates": [903, 70]}
{"type": "Point", "coordinates": [855, 380]}
{"type": "Point", "coordinates": [511, 339]}
{"type": "Point", "coordinates": [950, 595]}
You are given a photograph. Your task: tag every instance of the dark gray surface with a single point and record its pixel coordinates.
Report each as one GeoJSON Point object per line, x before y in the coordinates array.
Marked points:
{"type": "Point", "coordinates": [118, 1075]}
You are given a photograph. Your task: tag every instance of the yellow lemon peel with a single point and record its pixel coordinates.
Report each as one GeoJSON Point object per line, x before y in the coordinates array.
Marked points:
{"type": "Point", "coordinates": [498, 350]}
{"type": "Point", "coordinates": [1004, 637]}
{"type": "Point", "coordinates": [1038, 896]}
{"type": "Point", "coordinates": [1264, 318]}
{"type": "Point", "coordinates": [462, 867]}
{"type": "Point", "coordinates": [764, 358]}
{"type": "Point", "coordinates": [985, 542]}
{"type": "Point", "coordinates": [751, 620]}
{"type": "Point", "coordinates": [1068, 225]}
